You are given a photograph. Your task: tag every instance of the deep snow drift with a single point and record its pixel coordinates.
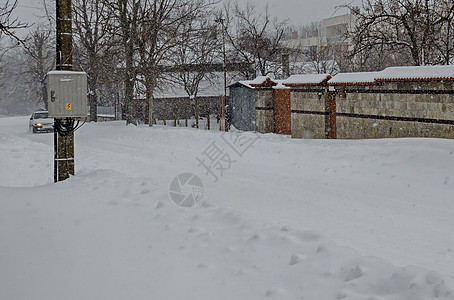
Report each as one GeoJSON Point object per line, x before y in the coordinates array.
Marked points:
{"type": "Point", "coordinates": [279, 218]}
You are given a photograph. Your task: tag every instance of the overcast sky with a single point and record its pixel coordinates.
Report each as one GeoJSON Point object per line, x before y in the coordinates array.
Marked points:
{"type": "Point", "coordinates": [299, 12]}
{"type": "Point", "coordinates": [302, 12]}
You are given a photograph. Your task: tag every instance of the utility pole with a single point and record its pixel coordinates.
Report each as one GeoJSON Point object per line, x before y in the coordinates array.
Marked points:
{"type": "Point", "coordinates": [223, 121]}
{"type": "Point", "coordinates": [63, 139]}
{"type": "Point", "coordinates": [64, 36]}
{"type": "Point", "coordinates": [286, 64]}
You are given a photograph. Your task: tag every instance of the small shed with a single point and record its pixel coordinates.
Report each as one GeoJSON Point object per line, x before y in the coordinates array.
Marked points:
{"type": "Point", "coordinates": [261, 105]}
{"type": "Point", "coordinates": [242, 105]}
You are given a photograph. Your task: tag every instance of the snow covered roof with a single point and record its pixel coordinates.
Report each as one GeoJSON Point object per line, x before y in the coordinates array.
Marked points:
{"type": "Point", "coordinates": [247, 83]}
{"type": "Point", "coordinates": [420, 73]}
{"type": "Point", "coordinates": [364, 78]}
{"type": "Point", "coordinates": [259, 80]}
{"type": "Point", "coordinates": [280, 85]}
{"type": "Point", "coordinates": [59, 72]}
{"type": "Point", "coordinates": [263, 81]}
{"type": "Point", "coordinates": [310, 79]}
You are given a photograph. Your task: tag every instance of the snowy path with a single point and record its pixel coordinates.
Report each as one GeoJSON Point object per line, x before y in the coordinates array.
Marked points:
{"type": "Point", "coordinates": [267, 229]}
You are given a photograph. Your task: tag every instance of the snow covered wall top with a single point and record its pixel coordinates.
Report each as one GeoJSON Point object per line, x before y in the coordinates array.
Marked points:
{"type": "Point", "coordinates": [353, 78]}
{"type": "Point", "coordinates": [418, 73]}
{"type": "Point", "coordinates": [309, 79]}
{"type": "Point", "coordinates": [259, 80]}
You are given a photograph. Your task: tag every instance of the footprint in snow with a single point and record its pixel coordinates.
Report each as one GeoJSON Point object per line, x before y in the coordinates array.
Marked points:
{"type": "Point", "coordinates": [145, 191]}
{"type": "Point", "coordinates": [341, 295]}
{"type": "Point", "coordinates": [296, 258]}
{"type": "Point", "coordinates": [275, 292]}
{"type": "Point", "coordinates": [202, 266]}
{"type": "Point", "coordinates": [285, 229]}
{"type": "Point", "coordinates": [112, 203]}
{"type": "Point", "coordinates": [255, 237]}
{"type": "Point", "coordinates": [354, 273]}
{"type": "Point", "coordinates": [321, 249]}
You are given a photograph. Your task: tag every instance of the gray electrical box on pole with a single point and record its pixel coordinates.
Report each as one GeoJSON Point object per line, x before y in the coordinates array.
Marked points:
{"type": "Point", "coordinates": [67, 94]}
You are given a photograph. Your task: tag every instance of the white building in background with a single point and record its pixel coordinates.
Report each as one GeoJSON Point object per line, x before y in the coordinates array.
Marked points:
{"type": "Point", "coordinates": [330, 32]}
{"type": "Point", "coordinates": [334, 29]}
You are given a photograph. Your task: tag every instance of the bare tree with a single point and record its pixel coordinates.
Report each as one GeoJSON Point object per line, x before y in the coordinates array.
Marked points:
{"type": "Point", "coordinates": [167, 24]}
{"type": "Point", "coordinates": [254, 36]}
{"type": "Point", "coordinates": [40, 53]}
{"type": "Point", "coordinates": [406, 27]}
{"type": "Point", "coordinates": [310, 30]}
{"type": "Point", "coordinates": [94, 46]}
{"type": "Point", "coordinates": [3, 51]}
{"type": "Point", "coordinates": [322, 59]}
{"type": "Point", "coordinates": [198, 47]}
{"type": "Point", "coordinates": [125, 14]}
{"type": "Point", "coordinates": [444, 35]}
{"type": "Point", "coordinates": [19, 89]}
{"type": "Point", "coordinates": [9, 24]}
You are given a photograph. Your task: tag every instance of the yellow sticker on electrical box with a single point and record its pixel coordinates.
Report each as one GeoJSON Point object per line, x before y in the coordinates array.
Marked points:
{"type": "Point", "coordinates": [68, 106]}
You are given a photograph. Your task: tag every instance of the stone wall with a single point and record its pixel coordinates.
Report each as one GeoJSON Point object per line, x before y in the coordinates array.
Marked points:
{"type": "Point", "coordinates": [308, 111]}
{"type": "Point", "coordinates": [396, 109]}
{"type": "Point", "coordinates": [383, 110]}
{"type": "Point", "coordinates": [264, 107]}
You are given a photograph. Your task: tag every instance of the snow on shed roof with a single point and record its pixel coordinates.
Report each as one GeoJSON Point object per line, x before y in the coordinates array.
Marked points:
{"type": "Point", "coordinates": [263, 81]}
{"type": "Point", "coordinates": [259, 79]}
{"type": "Point", "coordinates": [247, 83]}
{"type": "Point", "coordinates": [309, 79]}
{"type": "Point", "coordinates": [280, 85]}
{"type": "Point", "coordinates": [420, 73]}
{"type": "Point", "coordinates": [257, 82]}
{"type": "Point", "coordinates": [363, 78]}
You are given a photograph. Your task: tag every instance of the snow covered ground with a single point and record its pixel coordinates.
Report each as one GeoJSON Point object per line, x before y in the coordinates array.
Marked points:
{"type": "Point", "coordinates": [286, 219]}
